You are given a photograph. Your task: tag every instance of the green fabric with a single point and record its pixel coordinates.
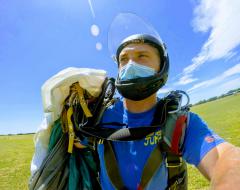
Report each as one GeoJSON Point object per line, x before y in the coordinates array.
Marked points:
{"type": "Point", "coordinates": [73, 172]}
{"type": "Point", "coordinates": [53, 173]}
{"type": "Point", "coordinates": [81, 163]}
{"type": "Point", "coordinates": [83, 170]}
{"type": "Point", "coordinates": [56, 134]}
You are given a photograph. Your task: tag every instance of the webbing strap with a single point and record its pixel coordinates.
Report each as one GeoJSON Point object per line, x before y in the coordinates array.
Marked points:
{"type": "Point", "coordinates": [153, 163]}
{"type": "Point", "coordinates": [177, 183]}
{"type": "Point", "coordinates": [177, 133]}
{"type": "Point", "coordinates": [176, 172]}
{"type": "Point", "coordinates": [82, 100]}
{"type": "Point", "coordinates": [112, 167]}
{"type": "Point", "coordinates": [176, 178]}
{"type": "Point", "coordinates": [71, 133]}
{"type": "Point", "coordinates": [123, 134]}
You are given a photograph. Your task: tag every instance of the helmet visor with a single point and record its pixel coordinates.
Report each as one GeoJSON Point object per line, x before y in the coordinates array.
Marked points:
{"type": "Point", "coordinates": [125, 25]}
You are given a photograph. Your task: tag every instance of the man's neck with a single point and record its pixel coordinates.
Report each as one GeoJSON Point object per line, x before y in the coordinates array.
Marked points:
{"type": "Point", "coordinates": [142, 105]}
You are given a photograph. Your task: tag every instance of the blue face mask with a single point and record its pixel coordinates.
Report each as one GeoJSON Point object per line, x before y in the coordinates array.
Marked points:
{"type": "Point", "coordinates": [134, 70]}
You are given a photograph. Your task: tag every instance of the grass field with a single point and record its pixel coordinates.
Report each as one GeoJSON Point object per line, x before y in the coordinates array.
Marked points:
{"type": "Point", "coordinates": [222, 115]}
{"type": "Point", "coordinates": [15, 156]}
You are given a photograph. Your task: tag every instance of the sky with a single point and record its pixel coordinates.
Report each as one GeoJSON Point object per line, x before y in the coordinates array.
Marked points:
{"type": "Point", "coordinates": [39, 38]}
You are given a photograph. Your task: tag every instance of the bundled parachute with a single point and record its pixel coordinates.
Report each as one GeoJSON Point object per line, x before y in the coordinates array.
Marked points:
{"type": "Point", "coordinates": [71, 98]}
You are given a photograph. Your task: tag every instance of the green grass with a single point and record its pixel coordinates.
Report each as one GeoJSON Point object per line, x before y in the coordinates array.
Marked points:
{"type": "Point", "coordinates": [16, 153]}
{"type": "Point", "coordinates": [222, 115]}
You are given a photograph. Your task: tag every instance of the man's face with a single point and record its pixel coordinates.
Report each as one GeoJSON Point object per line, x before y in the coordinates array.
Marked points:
{"type": "Point", "coordinates": [142, 54]}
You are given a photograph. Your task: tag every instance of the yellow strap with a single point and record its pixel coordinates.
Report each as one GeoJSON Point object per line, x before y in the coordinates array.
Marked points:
{"type": "Point", "coordinates": [70, 130]}
{"type": "Point", "coordinates": [82, 100]}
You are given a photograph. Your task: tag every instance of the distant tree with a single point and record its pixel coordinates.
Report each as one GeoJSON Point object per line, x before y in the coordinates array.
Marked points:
{"type": "Point", "coordinates": [231, 91]}
{"type": "Point", "coordinates": [212, 99]}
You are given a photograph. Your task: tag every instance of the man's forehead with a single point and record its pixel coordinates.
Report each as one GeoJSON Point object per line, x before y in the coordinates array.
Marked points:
{"type": "Point", "coordinates": [138, 47]}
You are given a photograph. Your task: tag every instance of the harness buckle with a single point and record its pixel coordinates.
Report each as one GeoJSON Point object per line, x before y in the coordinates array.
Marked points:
{"type": "Point", "coordinates": [173, 164]}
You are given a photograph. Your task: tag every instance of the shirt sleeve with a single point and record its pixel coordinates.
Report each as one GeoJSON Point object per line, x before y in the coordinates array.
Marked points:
{"type": "Point", "coordinates": [199, 140]}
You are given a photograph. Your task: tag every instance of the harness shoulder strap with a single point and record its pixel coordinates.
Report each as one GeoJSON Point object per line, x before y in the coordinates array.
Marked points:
{"type": "Point", "coordinates": [112, 166]}
{"type": "Point", "coordinates": [177, 172]}
{"type": "Point", "coordinates": [173, 138]}
{"type": "Point", "coordinates": [173, 132]}
{"type": "Point", "coordinates": [153, 163]}
{"type": "Point", "coordinates": [171, 143]}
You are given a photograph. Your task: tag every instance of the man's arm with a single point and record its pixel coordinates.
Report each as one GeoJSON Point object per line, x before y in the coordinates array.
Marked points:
{"type": "Point", "coordinates": [221, 166]}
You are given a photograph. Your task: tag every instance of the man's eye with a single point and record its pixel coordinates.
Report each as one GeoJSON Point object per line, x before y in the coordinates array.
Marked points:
{"type": "Point", "coordinates": [142, 56]}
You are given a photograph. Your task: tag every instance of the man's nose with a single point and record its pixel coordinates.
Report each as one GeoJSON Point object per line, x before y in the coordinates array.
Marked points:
{"type": "Point", "coordinates": [132, 58]}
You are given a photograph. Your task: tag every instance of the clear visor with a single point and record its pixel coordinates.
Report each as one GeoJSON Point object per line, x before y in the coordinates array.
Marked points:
{"type": "Point", "coordinates": [125, 25]}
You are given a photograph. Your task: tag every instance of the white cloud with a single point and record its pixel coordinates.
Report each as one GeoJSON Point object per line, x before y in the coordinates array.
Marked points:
{"type": "Point", "coordinates": [164, 90]}
{"type": "Point", "coordinates": [196, 62]}
{"type": "Point", "coordinates": [220, 78]}
{"type": "Point", "coordinates": [221, 19]}
{"type": "Point", "coordinates": [233, 70]}
{"type": "Point", "coordinates": [216, 91]}
{"type": "Point", "coordinates": [185, 79]}
{"type": "Point", "coordinates": [233, 84]}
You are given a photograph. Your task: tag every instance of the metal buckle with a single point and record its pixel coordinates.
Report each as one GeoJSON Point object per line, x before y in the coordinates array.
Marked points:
{"type": "Point", "coordinates": [173, 165]}
{"type": "Point", "coordinates": [179, 94]}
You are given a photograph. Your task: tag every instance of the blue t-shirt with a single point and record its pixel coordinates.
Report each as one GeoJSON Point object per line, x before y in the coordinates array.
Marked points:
{"type": "Point", "coordinates": [131, 156]}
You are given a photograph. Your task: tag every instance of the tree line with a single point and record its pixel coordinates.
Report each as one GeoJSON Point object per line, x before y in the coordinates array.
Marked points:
{"type": "Point", "coordinates": [229, 93]}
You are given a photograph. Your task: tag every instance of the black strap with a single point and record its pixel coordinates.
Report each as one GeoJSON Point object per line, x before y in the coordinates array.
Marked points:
{"type": "Point", "coordinates": [177, 172]}
{"type": "Point", "coordinates": [160, 115]}
{"type": "Point", "coordinates": [153, 163]}
{"type": "Point", "coordinates": [112, 166]}
{"type": "Point", "coordinates": [178, 182]}
{"type": "Point", "coordinates": [125, 134]}
{"type": "Point", "coordinates": [177, 177]}
{"type": "Point", "coordinates": [128, 134]}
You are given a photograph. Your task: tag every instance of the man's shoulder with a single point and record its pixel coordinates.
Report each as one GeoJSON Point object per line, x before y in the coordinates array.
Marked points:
{"type": "Point", "coordinates": [195, 120]}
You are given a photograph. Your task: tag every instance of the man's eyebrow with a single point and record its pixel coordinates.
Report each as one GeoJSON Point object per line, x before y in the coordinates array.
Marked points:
{"type": "Point", "coordinates": [143, 51]}
{"type": "Point", "coordinates": [124, 54]}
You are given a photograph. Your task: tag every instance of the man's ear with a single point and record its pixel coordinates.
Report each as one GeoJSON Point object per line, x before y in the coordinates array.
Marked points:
{"type": "Point", "coordinates": [115, 59]}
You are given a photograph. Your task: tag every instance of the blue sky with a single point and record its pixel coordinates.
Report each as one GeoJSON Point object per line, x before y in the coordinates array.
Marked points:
{"type": "Point", "coordinates": [38, 38]}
